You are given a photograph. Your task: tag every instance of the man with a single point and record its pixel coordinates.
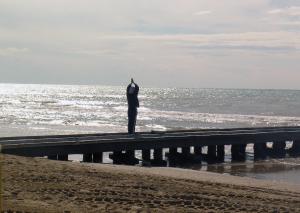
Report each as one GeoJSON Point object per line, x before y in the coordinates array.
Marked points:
{"type": "Point", "coordinates": [133, 104]}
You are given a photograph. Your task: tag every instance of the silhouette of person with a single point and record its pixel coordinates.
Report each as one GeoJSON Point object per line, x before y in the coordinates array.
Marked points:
{"type": "Point", "coordinates": [133, 104]}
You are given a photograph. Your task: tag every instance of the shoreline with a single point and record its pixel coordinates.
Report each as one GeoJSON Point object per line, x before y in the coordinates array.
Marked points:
{"type": "Point", "coordinates": [197, 175]}
{"type": "Point", "coordinates": [42, 185]}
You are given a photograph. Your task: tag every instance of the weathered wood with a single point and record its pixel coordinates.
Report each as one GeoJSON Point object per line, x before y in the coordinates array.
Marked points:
{"type": "Point", "coordinates": [146, 154]}
{"type": "Point", "coordinates": [130, 153]}
{"type": "Point", "coordinates": [158, 155]}
{"type": "Point", "coordinates": [91, 137]}
{"type": "Point", "coordinates": [260, 151]}
{"type": "Point", "coordinates": [238, 152]}
{"type": "Point", "coordinates": [62, 157]}
{"type": "Point", "coordinates": [278, 149]}
{"type": "Point", "coordinates": [116, 156]}
{"type": "Point", "coordinates": [220, 153]}
{"type": "Point", "coordinates": [98, 157]}
{"type": "Point", "coordinates": [52, 157]}
{"type": "Point", "coordinates": [158, 158]}
{"type": "Point", "coordinates": [119, 142]}
{"type": "Point", "coordinates": [197, 150]}
{"type": "Point", "coordinates": [295, 149]}
{"type": "Point", "coordinates": [87, 157]}
{"type": "Point", "coordinates": [173, 151]}
{"type": "Point", "coordinates": [185, 151]}
{"type": "Point", "coordinates": [212, 153]}
{"type": "Point", "coordinates": [123, 158]}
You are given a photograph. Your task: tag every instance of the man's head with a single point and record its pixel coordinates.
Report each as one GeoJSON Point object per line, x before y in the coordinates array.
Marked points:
{"type": "Point", "coordinates": [132, 80]}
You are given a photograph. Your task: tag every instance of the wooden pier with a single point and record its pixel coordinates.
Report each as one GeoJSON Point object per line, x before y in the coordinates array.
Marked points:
{"type": "Point", "coordinates": [190, 142]}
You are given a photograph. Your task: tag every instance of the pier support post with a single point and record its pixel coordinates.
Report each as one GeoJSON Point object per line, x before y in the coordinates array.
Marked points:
{"type": "Point", "coordinates": [234, 152]}
{"type": "Point", "coordinates": [87, 157]}
{"type": "Point", "coordinates": [212, 153]}
{"type": "Point", "coordinates": [220, 153]}
{"type": "Point", "coordinates": [172, 156]}
{"type": "Point", "coordinates": [158, 155]}
{"type": "Point", "coordinates": [127, 158]}
{"type": "Point", "coordinates": [130, 158]}
{"type": "Point", "coordinates": [243, 151]}
{"type": "Point", "coordinates": [146, 154]}
{"type": "Point", "coordinates": [260, 151]}
{"type": "Point", "coordinates": [278, 148]}
{"type": "Point", "coordinates": [158, 158]}
{"type": "Point", "coordinates": [238, 152]}
{"type": "Point", "coordinates": [198, 150]}
{"type": "Point", "coordinates": [173, 151]}
{"type": "Point", "coordinates": [62, 157]}
{"type": "Point", "coordinates": [116, 157]}
{"type": "Point", "coordinates": [52, 157]}
{"type": "Point", "coordinates": [130, 153]}
{"type": "Point", "coordinates": [295, 150]}
{"type": "Point", "coordinates": [185, 151]}
{"type": "Point", "coordinates": [98, 157]}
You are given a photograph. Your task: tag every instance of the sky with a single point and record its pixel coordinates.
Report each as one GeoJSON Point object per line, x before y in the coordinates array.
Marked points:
{"type": "Point", "coordinates": [160, 43]}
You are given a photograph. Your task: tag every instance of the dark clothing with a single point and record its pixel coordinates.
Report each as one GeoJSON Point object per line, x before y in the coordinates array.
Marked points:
{"type": "Point", "coordinates": [132, 99]}
{"type": "Point", "coordinates": [133, 104]}
{"type": "Point", "coordinates": [132, 113]}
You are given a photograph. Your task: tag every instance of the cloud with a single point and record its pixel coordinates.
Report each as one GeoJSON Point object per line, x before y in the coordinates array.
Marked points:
{"type": "Point", "coordinates": [292, 11]}
{"type": "Point", "coordinates": [275, 11]}
{"type": "Point", "coordinates": [104, 40]}
{"type": "Point", "coordinates": [203, 12]}
{"type": "Point", "coordinates": [274, 40]}
{"type": "Point", "coordinates": [10, 51]}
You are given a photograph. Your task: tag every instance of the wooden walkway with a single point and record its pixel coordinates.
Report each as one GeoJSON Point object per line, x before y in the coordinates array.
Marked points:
{"type": "Point", "coordinates": [123, 145]}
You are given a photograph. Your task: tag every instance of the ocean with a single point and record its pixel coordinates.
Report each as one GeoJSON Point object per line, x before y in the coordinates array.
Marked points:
{"type": "Point", "coordinates": [66, 109]}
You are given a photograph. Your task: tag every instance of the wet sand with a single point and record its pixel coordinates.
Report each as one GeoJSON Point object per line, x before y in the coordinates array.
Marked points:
{"type": "Point", "coordinates": [42, 185]}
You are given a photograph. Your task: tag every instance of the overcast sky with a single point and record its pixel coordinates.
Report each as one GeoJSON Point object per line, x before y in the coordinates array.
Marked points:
{"type": "Point", "coordinates": [161, 43]}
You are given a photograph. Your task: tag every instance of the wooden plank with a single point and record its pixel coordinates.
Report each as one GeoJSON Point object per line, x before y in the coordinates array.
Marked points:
{"type": "Point", "coordinates": [268, 136]}
{"type": "Point", "coordinates": [140, 142]}
{"type": "Point", "coordinates": [117, 137]}
{"type": "Point", "coordinates": [84, 137]}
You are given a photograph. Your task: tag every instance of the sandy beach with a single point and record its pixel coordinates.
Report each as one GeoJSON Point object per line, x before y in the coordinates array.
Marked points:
{"type": "Point", "coordinates": [42, 185]}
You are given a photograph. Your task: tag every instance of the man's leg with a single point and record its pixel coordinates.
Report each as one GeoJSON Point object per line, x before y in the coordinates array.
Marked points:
{"type": "Point", "coordinates": [134, 120]}
{"type": "Point", "coordinates": [131, 120]}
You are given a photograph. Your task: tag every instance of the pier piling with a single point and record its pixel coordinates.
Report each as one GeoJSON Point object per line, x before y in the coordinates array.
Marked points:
{"type": "Point", "coordinates": [52, 157]}
{"type": "Point", "coordinates": [211, 153]}
{"type": "Point", "coordinates": [130, 154]}
{"type": "Point", "coordinates": [172, 151]}
{"type": "Point", "coordinates": [238, 152]}
{"type": "Point", "coordinates": [278, 148]}
{"type": "Point", "coordinates": [98, 157]}
{"type": "Point", "coordinates": [220, 153]}
{"type": "Point", "coordinates": [172, 156]}
{"type": "Point", "coordinates": [146, 154]}
{"type": "Point", "coordinates": [158, 158]}
{"type": "Point", "coordinates": [260, 151]}
{"type": "Point", "coordinates": [185, 151]}
{"type": "Point", "coordinates": [87, 158]}
{"type": "Point", "coordinates": [295, 149]}
{"type": "Point", "coordinates": [158, 155]}
{"type": "Point", "coordinates": [198, 150]}
{"type": "Point", "coordinates": [62, 157]}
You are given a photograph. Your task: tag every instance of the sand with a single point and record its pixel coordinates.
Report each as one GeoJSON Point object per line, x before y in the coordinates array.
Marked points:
{"type": "Point", "coordinates": [42, 185]}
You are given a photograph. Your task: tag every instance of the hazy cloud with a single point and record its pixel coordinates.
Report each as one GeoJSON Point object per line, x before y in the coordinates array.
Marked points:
{"type": "Point", "coordinates": [290, 11]}
{"type": "Point", "coordinates": [263, 39]}
{"type": "Point", "coordinates": [199, 43]}
{"type": "Point", "coordinates": [10, 51]}
{"type": "Point", "coordinates": [203, 12]}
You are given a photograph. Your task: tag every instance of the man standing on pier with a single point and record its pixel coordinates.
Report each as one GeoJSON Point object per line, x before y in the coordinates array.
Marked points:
{"type": "Point", "coordinates": [133, 104]}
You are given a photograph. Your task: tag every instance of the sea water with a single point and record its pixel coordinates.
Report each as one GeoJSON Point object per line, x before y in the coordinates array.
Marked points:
{"type": "Point", "coordinates": [67, 109]}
